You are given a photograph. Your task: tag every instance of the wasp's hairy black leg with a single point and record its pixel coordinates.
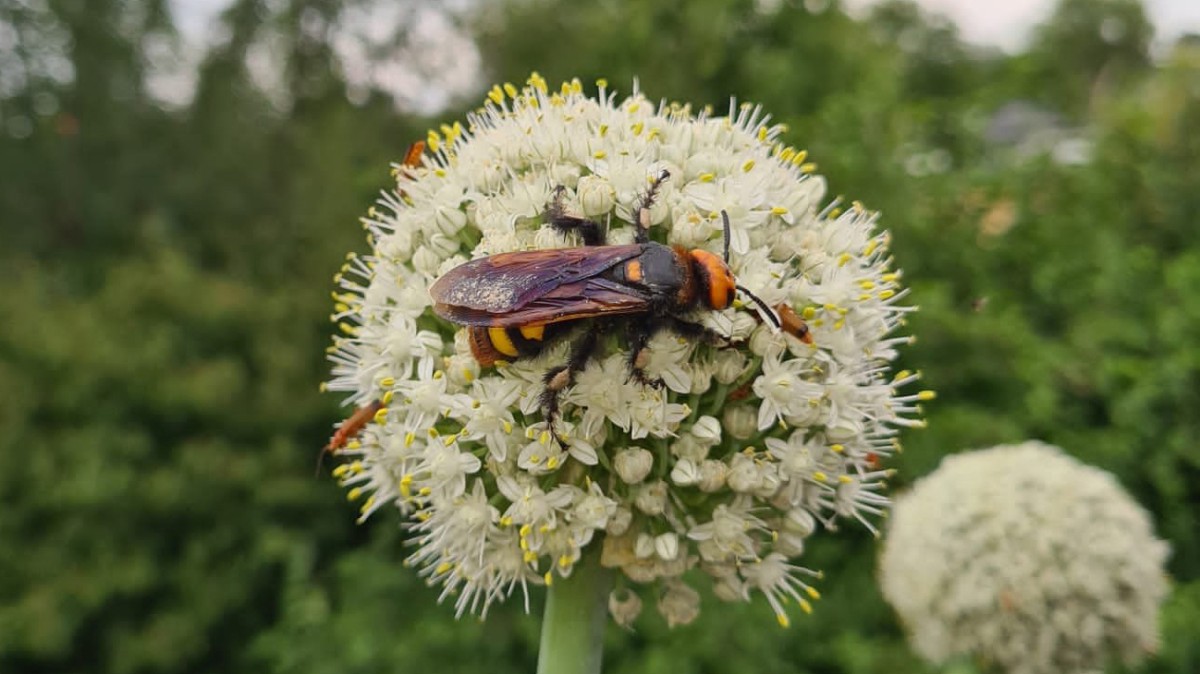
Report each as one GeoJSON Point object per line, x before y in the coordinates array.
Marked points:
{"type": "Point", "coordinates": [638, 336]}
{"type": "Point", "coordinates": [560, 377]}
{"type": "Point", "coordinates": [641, 216]}
{"type": "Point", "coordinates": [591, 232]}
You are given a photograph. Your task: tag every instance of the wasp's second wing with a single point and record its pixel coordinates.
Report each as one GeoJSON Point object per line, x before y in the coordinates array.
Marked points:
{"type": "Point", "coordinates": [506, 282]}
{"type": "Point", "coordinates": [588, 298]}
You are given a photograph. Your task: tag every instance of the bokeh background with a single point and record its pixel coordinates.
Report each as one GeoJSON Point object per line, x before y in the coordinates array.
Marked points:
{"type": "Point", "coordinates": [179, 180]}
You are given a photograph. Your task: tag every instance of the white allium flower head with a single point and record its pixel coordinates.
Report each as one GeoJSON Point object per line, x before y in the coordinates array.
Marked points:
{"type": "Point", "coordinates": [714, 468]}
{"type": "Point", "coordinates": [1027, 559]}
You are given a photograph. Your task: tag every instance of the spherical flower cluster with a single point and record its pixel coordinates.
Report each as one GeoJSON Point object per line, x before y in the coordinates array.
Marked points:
{"type": "Point", "coordinates": [744, 449]}
{"type": "Point", "coordinates": [1027, 559]}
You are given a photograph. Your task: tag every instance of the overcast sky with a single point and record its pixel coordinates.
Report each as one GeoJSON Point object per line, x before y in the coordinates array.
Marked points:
{"type": "Point", "coordinates": [1002, 23]}
{"type": "Point", "coordinates": [998, 22]}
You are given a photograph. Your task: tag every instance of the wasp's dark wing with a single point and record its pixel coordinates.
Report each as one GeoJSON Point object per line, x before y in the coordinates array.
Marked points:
{"type": "Point", "coordinates": [506, 282]}
{"type": "Point", "coordinates": [537, 287]}
{"type": "Point", "coordinates": [582, 299]}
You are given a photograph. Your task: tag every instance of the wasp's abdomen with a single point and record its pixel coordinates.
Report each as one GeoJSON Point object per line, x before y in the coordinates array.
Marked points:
{"type": "Point", "coordinates": [491, 345]}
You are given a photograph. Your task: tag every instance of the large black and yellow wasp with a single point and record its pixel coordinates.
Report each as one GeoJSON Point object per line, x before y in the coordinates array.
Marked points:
{"type": "Point", "coordinates": [514, 304]}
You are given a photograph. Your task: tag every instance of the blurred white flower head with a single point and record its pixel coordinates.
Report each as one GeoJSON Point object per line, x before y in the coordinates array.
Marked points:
{"type": "Point", "coordinates": [1027, 559]}
{"type": "Point", "coordinates": [746, 448]}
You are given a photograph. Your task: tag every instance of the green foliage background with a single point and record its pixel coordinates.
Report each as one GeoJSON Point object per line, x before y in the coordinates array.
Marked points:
{"type": "Point", "coordinates": [166, 278]}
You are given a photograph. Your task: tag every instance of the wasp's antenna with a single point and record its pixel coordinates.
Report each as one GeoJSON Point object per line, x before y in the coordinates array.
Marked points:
{"type": "Point", "coordinates": [766, 310]}
{"type": "Point", "coordinates": [725, 217]}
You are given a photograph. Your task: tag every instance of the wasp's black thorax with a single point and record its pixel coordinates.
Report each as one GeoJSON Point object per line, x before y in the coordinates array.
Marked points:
{"type": "Point", "coordinates": [663, 274]}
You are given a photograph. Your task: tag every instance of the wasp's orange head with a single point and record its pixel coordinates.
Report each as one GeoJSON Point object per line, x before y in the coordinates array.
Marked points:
{"type": "Point", "coordinates": [716, 280]}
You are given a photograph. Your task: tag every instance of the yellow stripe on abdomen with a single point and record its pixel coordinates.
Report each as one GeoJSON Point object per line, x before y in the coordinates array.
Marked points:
{"type": "Point", "coordinates": [502, 342]}
{"type": "Point", "coordinates": [533, 333]}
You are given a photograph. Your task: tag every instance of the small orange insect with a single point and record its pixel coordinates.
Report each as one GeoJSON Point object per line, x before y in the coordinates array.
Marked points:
{"type": "Point", "coordinates": [348, 429]}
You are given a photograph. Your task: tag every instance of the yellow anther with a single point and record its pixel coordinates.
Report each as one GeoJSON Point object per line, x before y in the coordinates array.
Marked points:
{"type": "Point", "coordinates": [340, 307]}
{"type": "Point", "coordinates": [820, 477]}
{"type": "Point", "coordinates": [433, 432]}
{"type": "Point", "coordinates": [507, 425]}
{"type": "Point", "coordinates": [782, 619]}
{"type": "Point", "coordinates": [748, 166]}
{"type": "Point", "coordinates": [535, 459]}
{"type": "Point", "coordinates": [323, 387]}
{"type": "Point", "coordinates": [549, 578]}
{"type": "Point", "coordinates": [926, 395]}
{"type": "Point", "coordinates": [787, 154]}
{"type": "Point", "coordinates": [443, 568]}
{"type": "Point", "coordinates": [601, 83]}
{"type": "Point", "coordinates": [637, 128]}
{"type": "Point", "coordinates": [449, 440]}
{"type": "Point", "coordinates": [863, 297]}
{"type": "Point", "coordinates": [387, 382]}
{"type": "Point", "coordinates": [564, 561]}
{"type": "Point", "coordinates": [779, 210]}
{"type": "Point", "coordinates": [552, 463]}
{"type": "Point", "coordinates": [845, 479]}
{"type": "Point", "coordinates": [387, 397]}
{"type": "Point", "coordinates": [798, 160]}
{"type": "Point", "coordinates": [468, 375]}
{"type": "Point", "coordinates": [812, 592]}
{"type": "Point", "coordinates": [544, 528]}
{"type": "Point", "coordinates": [808, 168]}
{"type": "Point", "coordinates": [340, 470]}
{"type": "Point", "coordinates": [367, 505]}
{"type": "Point", "coordinates": [353, 494]}
{"type": "Point", "coordinates": [838, 449]}
{"type": "Point", "coordinates": [438, 374]}
{"type": "Point", "coordinates": [707, 177]}
{"type": "Point", "coordinates": [544, 438]}
{"type": "Point", "coordinates": [599, 154]}
{"type": "Point", "coordinates": [839, 324]}
{"type": "Point", "coordinates": [871, 246]}
{"type": "Point", "coordinates": [506, 521]}
{"type": "Point", "coordinates": [805, 606]}
{"type": "Point", "coordinates": [866, 284]}
{"type": "Point", "coordinates": [348, 329]}
{"type": "Point", "coordinates": [603, 130]}
{"type": "Point", "coordinates": [496, 94]}
{"type": "Point", "coordinates": [537, 82]}
{"type": "Point", "coordinates": [409, 439]}
{"type": "Point", "coordinates": [890, 277]}
{"type": "Point", "coordinates": [525, 530]}
{"type": "Point", "coordinates": [809, 313]}
{"type": "Point", "coordinates": [381, 415]}
{"type": "Point", "coordinates": [529, 556]}
{"type": "Point", "coordinates": [887, 294]}
{"type": "Point", "coordinates": [510, 90]}
{"type": "Point", "coordinates": [425, 491]}
{"type": "Point", "coordinates": [762, 134]}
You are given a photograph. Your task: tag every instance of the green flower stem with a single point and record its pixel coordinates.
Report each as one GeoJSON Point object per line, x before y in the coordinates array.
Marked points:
{"type": "Point", "coordinates": [573, 625]}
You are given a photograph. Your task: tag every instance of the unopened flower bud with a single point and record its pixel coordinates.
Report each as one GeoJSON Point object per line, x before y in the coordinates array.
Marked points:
{"type": "Point", "coordinates": [707, 430]}
{"type": "Point", "coordinates": [619, 522]}
{"type": "Point", "coordinates": [644, 547]}
{"type": "Point", "coordinates": [728, 365]}
{"type": "Point", "coordinates": [741, 421]}
{"type": "Point", "coordinates": [712, 475]}
{"type": "Point", "coordinates": [450, 220]}
{"type": "Point", "coordinates": [596, 195]}
{"type": "Point", "coordinates": [633, 464]}
{"type": "Point", "coordinates": [685, 473]}
{"type": "Point", "coordinates": [666, 546]}
{"type": "Point", "coordinates": [744, 475]}
{"type": "Point", "coordinates": [652, 498]}
{"type": "Point", "coordinates": [800, 521]}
